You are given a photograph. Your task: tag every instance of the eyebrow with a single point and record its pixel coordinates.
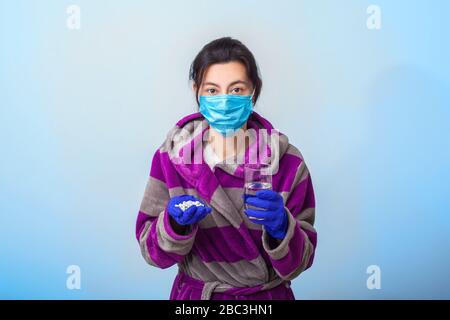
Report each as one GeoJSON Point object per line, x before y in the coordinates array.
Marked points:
{"type": "Point", "coordinates": [232, 83]}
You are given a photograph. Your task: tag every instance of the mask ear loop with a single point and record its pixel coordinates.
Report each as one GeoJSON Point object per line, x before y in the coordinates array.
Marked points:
{"type": "Point", "coordinates": [253, 95]}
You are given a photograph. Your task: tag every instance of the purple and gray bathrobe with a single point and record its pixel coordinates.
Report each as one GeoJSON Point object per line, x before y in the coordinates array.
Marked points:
{"type": "Point", "coordinates": [225, 255]}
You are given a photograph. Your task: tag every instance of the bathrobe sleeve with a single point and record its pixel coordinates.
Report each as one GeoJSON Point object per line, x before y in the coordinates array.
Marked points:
{"type": "Point", "coordinates": [160, 245]}
{"type": "Point", "coordinates": [295, 253]}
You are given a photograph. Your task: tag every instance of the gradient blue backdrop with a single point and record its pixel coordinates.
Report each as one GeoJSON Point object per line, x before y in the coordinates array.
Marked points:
{"type": "Point", "coordinates": [82, 112]}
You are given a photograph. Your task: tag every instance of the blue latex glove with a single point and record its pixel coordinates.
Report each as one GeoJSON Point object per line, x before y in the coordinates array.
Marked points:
{"type": "Point", "coordinates": [190, 215]}
{"type": "Point", "coordinates": [274, 216]}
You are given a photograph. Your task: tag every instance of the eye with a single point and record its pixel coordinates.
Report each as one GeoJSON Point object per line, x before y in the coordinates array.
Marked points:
{"type": "Point", "coordinates": [237, 90]}
{"type": "Point", "coordinates": [211, 90]}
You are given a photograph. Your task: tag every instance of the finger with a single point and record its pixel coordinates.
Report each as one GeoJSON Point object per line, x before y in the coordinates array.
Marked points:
{"type": "Point", "coordinates": [207, 209]}
{"type": "Point", "coordinates": [262, 214]}
{"type": "Point", "coordinates": [261, 203]}
{"type": "Point", "coordinates": [192, 220]}
{"type": "Point", "coordinates": [267, 194]}
{"type": "Point", "coordinates": [258, 221]}
{"type": "Point", "coordinates": [174, 210]}
{"type": "Point", "coordinates": [188, 214]}
{"type": "Point", "coordinates": [203, 213]}
{"type": "Point", "coordinates": [245, 196]}
{"type": "Point", "coordinates": [199, 214]}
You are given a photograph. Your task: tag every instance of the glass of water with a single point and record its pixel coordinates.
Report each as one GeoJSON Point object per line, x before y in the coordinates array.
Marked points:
{"type": "Point", "coordinates": [257, 177]}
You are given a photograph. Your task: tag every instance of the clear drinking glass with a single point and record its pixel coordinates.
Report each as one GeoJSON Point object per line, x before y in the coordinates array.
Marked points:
{"type": "Point", "coordinates": [257, 177]}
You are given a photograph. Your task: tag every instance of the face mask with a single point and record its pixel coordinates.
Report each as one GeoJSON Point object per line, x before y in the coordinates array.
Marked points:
{"type": "Point", "coordinates": [226, 113]}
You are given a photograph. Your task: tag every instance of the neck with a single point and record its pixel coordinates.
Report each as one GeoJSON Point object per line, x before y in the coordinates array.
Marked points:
{"type": "Point", "coordinates": [225, 147]}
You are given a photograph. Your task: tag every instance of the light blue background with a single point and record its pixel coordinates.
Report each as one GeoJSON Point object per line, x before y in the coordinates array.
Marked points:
{"type": "Point", "coordinates": [83, 111]}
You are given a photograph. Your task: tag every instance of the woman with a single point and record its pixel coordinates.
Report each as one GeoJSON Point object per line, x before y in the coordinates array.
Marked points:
{"type": "Point", "coordinates": [222, 250]}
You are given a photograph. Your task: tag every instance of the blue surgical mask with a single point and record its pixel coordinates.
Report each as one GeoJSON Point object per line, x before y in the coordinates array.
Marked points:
{"type": "Point", "coordinates": [226, 113]}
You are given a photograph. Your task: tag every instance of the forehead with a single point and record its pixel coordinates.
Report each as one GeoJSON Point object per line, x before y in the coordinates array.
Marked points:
{"type": "Point", "coordinates": [225, 73]}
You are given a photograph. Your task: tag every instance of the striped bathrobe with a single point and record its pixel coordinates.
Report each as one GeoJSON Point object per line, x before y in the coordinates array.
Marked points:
{"type": "Point", "coordinates": [225, 255]}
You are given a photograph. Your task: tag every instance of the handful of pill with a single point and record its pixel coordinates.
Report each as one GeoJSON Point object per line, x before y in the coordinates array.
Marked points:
{"type": "Point", "coordinates": [186, 204]}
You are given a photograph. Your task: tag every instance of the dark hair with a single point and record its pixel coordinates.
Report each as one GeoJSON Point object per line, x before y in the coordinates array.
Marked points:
{"type": "Point", "coordinates": [224, 50]}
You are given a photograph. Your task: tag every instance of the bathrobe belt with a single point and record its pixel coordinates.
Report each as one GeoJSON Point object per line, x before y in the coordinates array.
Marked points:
{"type": "Point", "coordinates": [209, 287]}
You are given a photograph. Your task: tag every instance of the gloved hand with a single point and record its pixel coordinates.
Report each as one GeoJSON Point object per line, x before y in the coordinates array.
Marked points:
{"type": "Point", "coordinates": [273, 216]}
{"type": "Point", "coordinates": [189, 216]}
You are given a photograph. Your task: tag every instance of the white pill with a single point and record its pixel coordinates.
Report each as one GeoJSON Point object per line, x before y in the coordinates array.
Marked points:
{"type": "Point", "coordinates": [186, 204]}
